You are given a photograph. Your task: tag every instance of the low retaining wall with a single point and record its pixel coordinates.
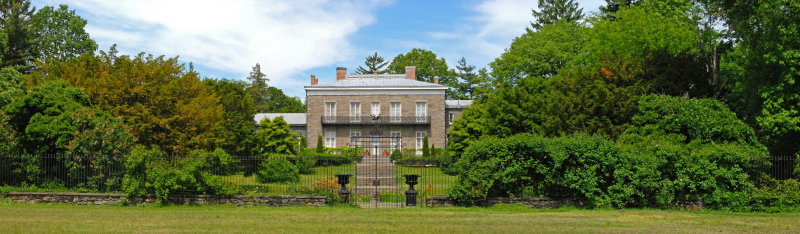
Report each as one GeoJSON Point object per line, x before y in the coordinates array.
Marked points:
{"type": "Point", "coordinates": [532, 202]}
{"type": "Point", "coordinates": [115, 199]}
{"type": "Point", "coordinates": [544, 202]}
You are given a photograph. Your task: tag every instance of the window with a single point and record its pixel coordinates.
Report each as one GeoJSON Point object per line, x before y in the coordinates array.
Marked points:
{"type": "Point", "coordinates": [330, 109]}
{"type": "Point", "coordinates": [330, 138]}
{"type": "Point", "coordinates": [396, 137]}
{"type": "Point", "coordinates": [422, 111]}
{"type": "Point", "coordinates": [450, 118]}
{"type": "Point", "coordinates": [394, 111]}
{"type": "Point", "coordinates": [330, 112]}
{"type": "Point", "coordinates": [420, 141]}
{"type": "Point", "coordinates": [355, 137]}
{"type": "Point", "coordinates": [355, 112]}
{"type": "Point", "coordinates": [376, 108]}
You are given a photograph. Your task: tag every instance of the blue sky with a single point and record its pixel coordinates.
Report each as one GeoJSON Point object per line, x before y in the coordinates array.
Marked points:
{"type": "Point", "coordinates": [295, 39]}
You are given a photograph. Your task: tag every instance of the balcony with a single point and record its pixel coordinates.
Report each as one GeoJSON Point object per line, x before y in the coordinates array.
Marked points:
{"type": "Point", "coordinates": [376, 120]}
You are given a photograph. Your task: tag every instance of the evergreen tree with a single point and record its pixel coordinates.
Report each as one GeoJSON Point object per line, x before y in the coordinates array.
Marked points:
{"type": "Point", "coordinates": [551, 11]}
{"type": "Point", "coordinates": [16, 20]}
{"type": "Point", "coordinates": [469, 79]}
{"type": "Point", "coordinates": [612, 6]}
{"type": "Point", "coordinates": [426, 152]}
{"type": "Point", "coordinates": [258, 87]}
{"type": "Point", "coordinates": [320, 146]}
{"type": "Point", "coordinates": [374, 63]}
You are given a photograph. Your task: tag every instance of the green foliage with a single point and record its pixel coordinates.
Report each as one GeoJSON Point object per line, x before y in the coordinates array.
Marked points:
{"type": "Point", "coordinates": [320, 145]}
{"type": "Point", "coordinates": [551, 11]}
{"type": "Point", "coordinates": [238, 109]}
{"type": "Point", "coordinates": [763, 70]}
{"type": "Point", "coordinates": [396, 155]}
{"type": "Point", "coordinates": [426, 152]}
{"type": "Point", "coordinates": [60, 34]}
{"type": "Point", "coordinates": [18, 51]}
{"type": "Point", "coordinates": [161, 102]}
{"type": "Point", "coordinates": [374, 63]}
{"type": "Point", "coordinates": [269, 99]}
{"type": "Point", "coordinates": [277, 169]}
{"type": "Point", "coordinates": [148, 171]}
{"type": "Point", "coordinates": [539, 53]}
{"type": "Point", "coordinates": [428, 65]}
{"type": "Point", "coordinates": [10, 86]}
{"type": "Point", "coordinates": [43, 117]}
{"type": "Point", "coordinates": [704, 120]}
{"type": "Point", "coordinates": [274, 136]}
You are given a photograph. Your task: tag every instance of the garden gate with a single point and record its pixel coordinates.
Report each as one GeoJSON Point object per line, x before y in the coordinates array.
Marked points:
{"type": "Point", "coordinates": [377, 180]}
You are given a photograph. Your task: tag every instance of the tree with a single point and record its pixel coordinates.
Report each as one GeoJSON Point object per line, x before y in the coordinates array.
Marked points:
{"type": "Point", "coordinates": [60, 34]}
{"type": "Point", "coordinates": [320, 145]}
{"type": "Point", "coordinates": [16, 17]}
{"type": "Point", "coordinates": [238, 109]}
{"type": "Point", "coordinates": [551, 11]}
{"type": "Point", "coordinates": [156, 97]}
{"type": "Point", "coordinates": [274, 137]}
{"type": "Point", "coordinates": [278, 102]}
{"type": "Point", "coordinates": [374, 63]}
{"type": "Point", "coordinates": [258, 88]}
{"type": "Point", "coordinates": [612, 6]}
{"type": "Point", "coordinates": [428, 65]}
{"type": "Point", "coordinates": [426, 152]}
{"type": "Point", "coordinates": [469, 79]}
{"type": "Point", "coordinates": [539, 53]}
{"type": "Point", "coordinates": [10, 85]}
{"type": "Point", "coordinates": [763, 70]}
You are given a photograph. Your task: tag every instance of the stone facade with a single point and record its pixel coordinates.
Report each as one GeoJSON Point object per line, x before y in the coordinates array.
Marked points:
{"type": "Point", "coordinates": [435, 108]}
{"type": "Point", "coordinates": [384, 89]}
{"type": "Point", "coordinates": [116, 199]}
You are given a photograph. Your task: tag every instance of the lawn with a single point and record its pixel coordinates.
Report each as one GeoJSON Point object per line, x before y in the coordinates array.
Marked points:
{"type": "Point", "coordinates": [24, 218]}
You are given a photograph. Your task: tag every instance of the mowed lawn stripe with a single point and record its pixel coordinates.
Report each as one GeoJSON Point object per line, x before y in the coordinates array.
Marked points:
{"type": "Point", "coordinates": [23, 218]}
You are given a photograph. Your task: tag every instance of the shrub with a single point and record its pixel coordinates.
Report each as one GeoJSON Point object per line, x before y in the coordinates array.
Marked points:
{"type": "Point", "coordinates": [320, 146]}
{"type": "Point", "coordinates": [328, 187]}
{"type": "Point", "coordinates": [148, 171]}
{"type": "Point", "coordinates": [797, 166]}
{"type": "Point", "coordinates": [426, 152]}
{"type": "Point", "coordinates": [396, 155]}
{"type": "Point", "coordinates": [277, 169]}
{"type": "Point", "coordinates": [776, 196]}
{"type": "Point", "coordinates": [304, 164]}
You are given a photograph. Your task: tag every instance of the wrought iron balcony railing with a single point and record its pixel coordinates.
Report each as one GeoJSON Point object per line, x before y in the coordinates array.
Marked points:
{"type": "Point", "coordinates": [368, 120]}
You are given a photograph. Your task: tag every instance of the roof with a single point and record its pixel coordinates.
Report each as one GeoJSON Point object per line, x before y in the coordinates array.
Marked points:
{"type": "Point", "coordinates": [290, 118]}
{"type": "Point", "coordinates": [457, 103]}
{"type": "Point", "coordinates": [377, 80]}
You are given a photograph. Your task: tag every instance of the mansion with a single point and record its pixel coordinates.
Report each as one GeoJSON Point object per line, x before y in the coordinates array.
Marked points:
{"type": "Point", "coordinates": [381, 112]}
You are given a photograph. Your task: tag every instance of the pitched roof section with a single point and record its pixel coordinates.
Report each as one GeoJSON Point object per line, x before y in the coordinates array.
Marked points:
{"type": "Point", "coordinates": [290, 118]}
{"type": "Point", "coordinates": [457, 103]}
{"type": "Point", "coordinates": [377, 80]}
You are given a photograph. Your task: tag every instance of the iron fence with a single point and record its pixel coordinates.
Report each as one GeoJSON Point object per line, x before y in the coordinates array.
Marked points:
{"type": "Point", "coordinates": [376, 180]}
{"type": "Point", "coordinates": [781, 167]}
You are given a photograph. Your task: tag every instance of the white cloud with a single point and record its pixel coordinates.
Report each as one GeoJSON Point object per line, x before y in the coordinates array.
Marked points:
{"type": "Point", "coordinates": [495, 24]}
{"type": "Point", "coordinates": [286, 37]}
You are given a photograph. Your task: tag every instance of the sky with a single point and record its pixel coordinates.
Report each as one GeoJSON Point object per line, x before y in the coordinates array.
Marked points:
{"type": "Point", "coordinates": [292, 40]}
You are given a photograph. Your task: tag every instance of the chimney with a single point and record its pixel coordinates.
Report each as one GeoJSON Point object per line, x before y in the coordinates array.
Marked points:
{"type": "Point", "coordinates": [314, 80]}
{"type": "Point", "coordinates": [411, 72]}
{"type": "Point", "coordinates": [341, 72]}
{"type": "Point", "coordinates": [436, 79]}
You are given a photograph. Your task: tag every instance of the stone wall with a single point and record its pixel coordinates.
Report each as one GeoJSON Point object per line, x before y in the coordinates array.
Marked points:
{"type": "Point", "coordinates": [544, 202]}
{"type": "Point", "coordinates": [532, 202]}
{"type": "Point", "coordinates": [115, 199]}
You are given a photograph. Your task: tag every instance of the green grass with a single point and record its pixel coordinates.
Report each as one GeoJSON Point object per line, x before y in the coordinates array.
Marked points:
{"type": "Point", "coordinates": [432, 183]}
{"type": "Point", "coordinates": [24, 218]}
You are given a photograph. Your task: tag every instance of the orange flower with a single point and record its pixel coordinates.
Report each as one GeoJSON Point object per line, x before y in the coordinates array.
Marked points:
{"type": "Point", "coordinates": [606, 72]}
